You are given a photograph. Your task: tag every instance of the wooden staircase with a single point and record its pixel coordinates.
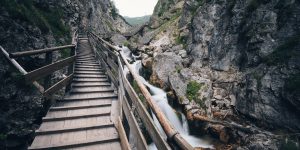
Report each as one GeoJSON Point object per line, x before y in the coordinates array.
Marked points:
{"type": "Point", "coordinates": [85, 118]}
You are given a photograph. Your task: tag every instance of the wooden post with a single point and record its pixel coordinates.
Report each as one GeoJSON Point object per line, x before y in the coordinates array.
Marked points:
{"type": "Point", "coordinates": [71, 68]}
{"type": "Point", "coordinates": [47, 79]}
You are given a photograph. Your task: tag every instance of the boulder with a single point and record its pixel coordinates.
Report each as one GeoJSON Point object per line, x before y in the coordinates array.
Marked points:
{"type": "Point", "coordinates": [118, 39]}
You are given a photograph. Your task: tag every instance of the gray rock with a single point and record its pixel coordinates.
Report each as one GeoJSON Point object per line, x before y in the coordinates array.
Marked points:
{"type": "Point", "coordinates": [118, 39]}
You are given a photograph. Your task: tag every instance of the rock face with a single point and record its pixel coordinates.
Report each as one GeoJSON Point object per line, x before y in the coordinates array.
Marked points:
{"type": "Point", "coordinates": [35, 24]}
{"type": "Point", "coordinates": [248, 51]}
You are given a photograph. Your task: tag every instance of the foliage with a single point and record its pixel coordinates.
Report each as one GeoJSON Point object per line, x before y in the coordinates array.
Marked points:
{"type": "Point", "coordinates": [192, 92]}
{"type": "Point", "coordinates": [137, 20]}
{"type": "Point", "coordinates": [126, 43]}
{"type": "Point", "coordinates": [283, 52]}
{"type": "Point", "coordinates": [114, 11]}
{"type": "Point", "coordinates": [45, 19]}
{"type": "Point", "coordinates": [138, 91]}
{"type": "Point", "coordinates": [181, 40]}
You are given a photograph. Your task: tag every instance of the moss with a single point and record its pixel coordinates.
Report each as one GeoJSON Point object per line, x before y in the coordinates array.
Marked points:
{"type": "Point", "coordinates": [292, 83]}
{"type": "Point", "coordinates": [45, 19]}
{"type": "Point", "coordinates": [138, 91]}
{"type": "Point", "coordinates": [284, 52]}
{"type": "Point", "coordinates": [126, 43]}
{"type": "Point", "coordinates": [178, 69]}
{"type": "Point", "coordinates": [192, 92]}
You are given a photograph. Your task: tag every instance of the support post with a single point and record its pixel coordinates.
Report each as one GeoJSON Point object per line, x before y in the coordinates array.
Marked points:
{"type": "Point", "coordinates": [71, 68]}
{"type": "Point", "coordinates": [47, 79]}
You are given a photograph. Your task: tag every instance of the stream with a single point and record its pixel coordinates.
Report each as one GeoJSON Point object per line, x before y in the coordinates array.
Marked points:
{"type": "Point", "coordinates": [160, 96]}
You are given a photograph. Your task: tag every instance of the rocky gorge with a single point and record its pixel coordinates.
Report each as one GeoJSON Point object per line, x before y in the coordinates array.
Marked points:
{"type": "Point", "coordinates": [232, 65]}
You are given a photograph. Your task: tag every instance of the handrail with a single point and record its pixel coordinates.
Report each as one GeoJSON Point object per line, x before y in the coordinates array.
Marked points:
{"type": "Point", "coordinates": [21, 69]}
{"type": "Point", "coordinates": [39, 51]}
{"type": "Point", "coordinates": [46, 70]}
{"type": "Point", "coordinates": [169, 129]}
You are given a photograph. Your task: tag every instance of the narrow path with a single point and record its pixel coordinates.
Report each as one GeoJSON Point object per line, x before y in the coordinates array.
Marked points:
{"type": "Point", "coordinates": [84, 118]}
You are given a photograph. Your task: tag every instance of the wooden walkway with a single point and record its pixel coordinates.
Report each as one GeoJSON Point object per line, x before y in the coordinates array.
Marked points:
{"type": "Point", "coordinates": [85, 118]}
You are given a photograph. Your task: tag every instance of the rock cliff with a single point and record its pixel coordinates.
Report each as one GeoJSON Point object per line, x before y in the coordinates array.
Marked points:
{"type": "Point", "coordinates": [241, 58]}
{"type": "Point", "coordinates": [35, 24]}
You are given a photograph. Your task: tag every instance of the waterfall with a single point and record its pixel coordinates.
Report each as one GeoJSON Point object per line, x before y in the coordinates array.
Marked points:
{"type": "Point", "coordinates": [160, 97]}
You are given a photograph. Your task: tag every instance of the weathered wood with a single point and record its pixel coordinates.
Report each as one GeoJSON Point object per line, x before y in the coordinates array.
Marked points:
{"type": "Point", "coordinates": [71, 68]}
{"type": "Point", "coordinates": [39, 51]}
{"type": "Point", "coordinates": [140, 141]}
{"type": "Point", "coordinates": [58, 86]}
{"type": "Point", "coordinates": [47, 80]}
{"type": "Point", "coordinates": [46, 70]}
{"type": "Point", "coordinates": [145, 117]}
{"type": "Point", "coordinates": [21, 69]}
{"type": "Point", "coordinates": [112, 65]}
{"type": "Point", "coordinates": [124, 140]}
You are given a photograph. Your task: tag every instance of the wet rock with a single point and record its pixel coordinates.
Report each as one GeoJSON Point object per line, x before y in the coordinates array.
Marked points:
{"type": "Point", "coordinates": [147, 62]}
{"type": "Point", "coordinates": [163, 66]}
{"type": "Point", "coordinates": [118, 39]}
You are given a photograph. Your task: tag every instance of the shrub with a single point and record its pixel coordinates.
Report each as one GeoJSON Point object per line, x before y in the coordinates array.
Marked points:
{"type": "Point", "coordinates": [192, 92]}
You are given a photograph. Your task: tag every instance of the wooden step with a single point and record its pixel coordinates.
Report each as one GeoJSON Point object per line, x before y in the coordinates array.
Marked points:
{"type": "Point", "coordinates": [89, 76]}
{"type": "Point", "coordinates": [78, 139]}
{"type": "Point", "coordinates": [91, 84]}
{"type": "Point", "coordinates": [78, 107]}
{"type": "Point", "coordinates": [87, 64]}
{"type": "Point", "coordinates": [88, 69]}
{"type": "Point", "coordinates": [72, 129]}
{"type": "Point", "coordinates": [91, 89]}
{"type": "Point", "coordinates": [90, 80]}
{"type": "Point", "coordinates": [87, 96]}
{"type": "Point", "coordinates": [85, 59]}
{"type": "Point", "coordinates": [90, 72]}
{"type": "Point", "coordinates": [47, 119]}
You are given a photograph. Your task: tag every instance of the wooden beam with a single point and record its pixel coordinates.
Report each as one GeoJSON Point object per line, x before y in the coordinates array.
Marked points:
{"type": "Point", "coordinates": [123, 138]}
{"type": "Point", "coordinates": [59, 85]}
{"type": "Point", "coordinates": [139, 139]}
{"type": "Point", "coordinates": [46, 70]}
{"type": "Point", "coordinates": [39, 51]}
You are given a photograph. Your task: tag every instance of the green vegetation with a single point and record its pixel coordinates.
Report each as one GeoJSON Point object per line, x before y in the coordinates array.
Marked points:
{"type": "Point", "coordinates": [2, 136]}
{"type": "Point", "coordinates": [126, 43]}
{"type": "Point", "coordinates": [138, 91]}
{"type": "Point", "coordinates": [292, 83]}
{"type": "Point", "coordinates": [114, 11]}
{"type": "Point", "coordinates": [45, 19]}
{"type": "Point", "coordinates": [192, 92]}
{"type": "Point", "coordinates": [181, 40]}
{"type": "Point", "coordinates": [178, 69]}
{"type": "Point", "coordinates": [283, 52]}
{"type": "Point", "coordinates": [137, 20]}
{"type": "Point", "coordinates": [194, 9]}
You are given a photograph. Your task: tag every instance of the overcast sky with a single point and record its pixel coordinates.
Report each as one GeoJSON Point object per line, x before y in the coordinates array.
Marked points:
{"type": "Point", "coordinates": [135, 8]}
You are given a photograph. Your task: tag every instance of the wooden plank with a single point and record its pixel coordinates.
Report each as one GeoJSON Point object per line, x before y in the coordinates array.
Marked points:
{"type": "Point", "coordinates": [59, 85]}
{"type": "Point", "coordinates": [46, 70]}
{"type": "Point", "coordinates": [21, 69]}
{"type": "Point", "coordinates": [124, 140]}
{"type": "Point", "coordinates": [65, 145]}
{"type": "Point", "coordinates": [146, 118]}
{"type": "Point", "coordinates": [140, 141]}
{"type": "Point", "coordinates": [39, 51]}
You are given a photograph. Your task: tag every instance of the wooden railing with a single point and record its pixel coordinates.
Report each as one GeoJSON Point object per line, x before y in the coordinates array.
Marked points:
{"type": "Point", "coordinates": [46, 71]}
{"type": "Point", "coordinates": [130, 104]}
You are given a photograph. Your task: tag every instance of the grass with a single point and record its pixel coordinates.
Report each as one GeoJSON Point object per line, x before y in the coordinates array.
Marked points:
{"type": "Point", "coordinates": [45, 19]}
{"type": "Point", "coordinates": [192, 92]}
{"type": "Point", "coordinates": [284, 52]}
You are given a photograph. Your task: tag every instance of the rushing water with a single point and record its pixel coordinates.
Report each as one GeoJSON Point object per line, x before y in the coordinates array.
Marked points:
{"type": "Point", "coordinates": [160, 96]}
